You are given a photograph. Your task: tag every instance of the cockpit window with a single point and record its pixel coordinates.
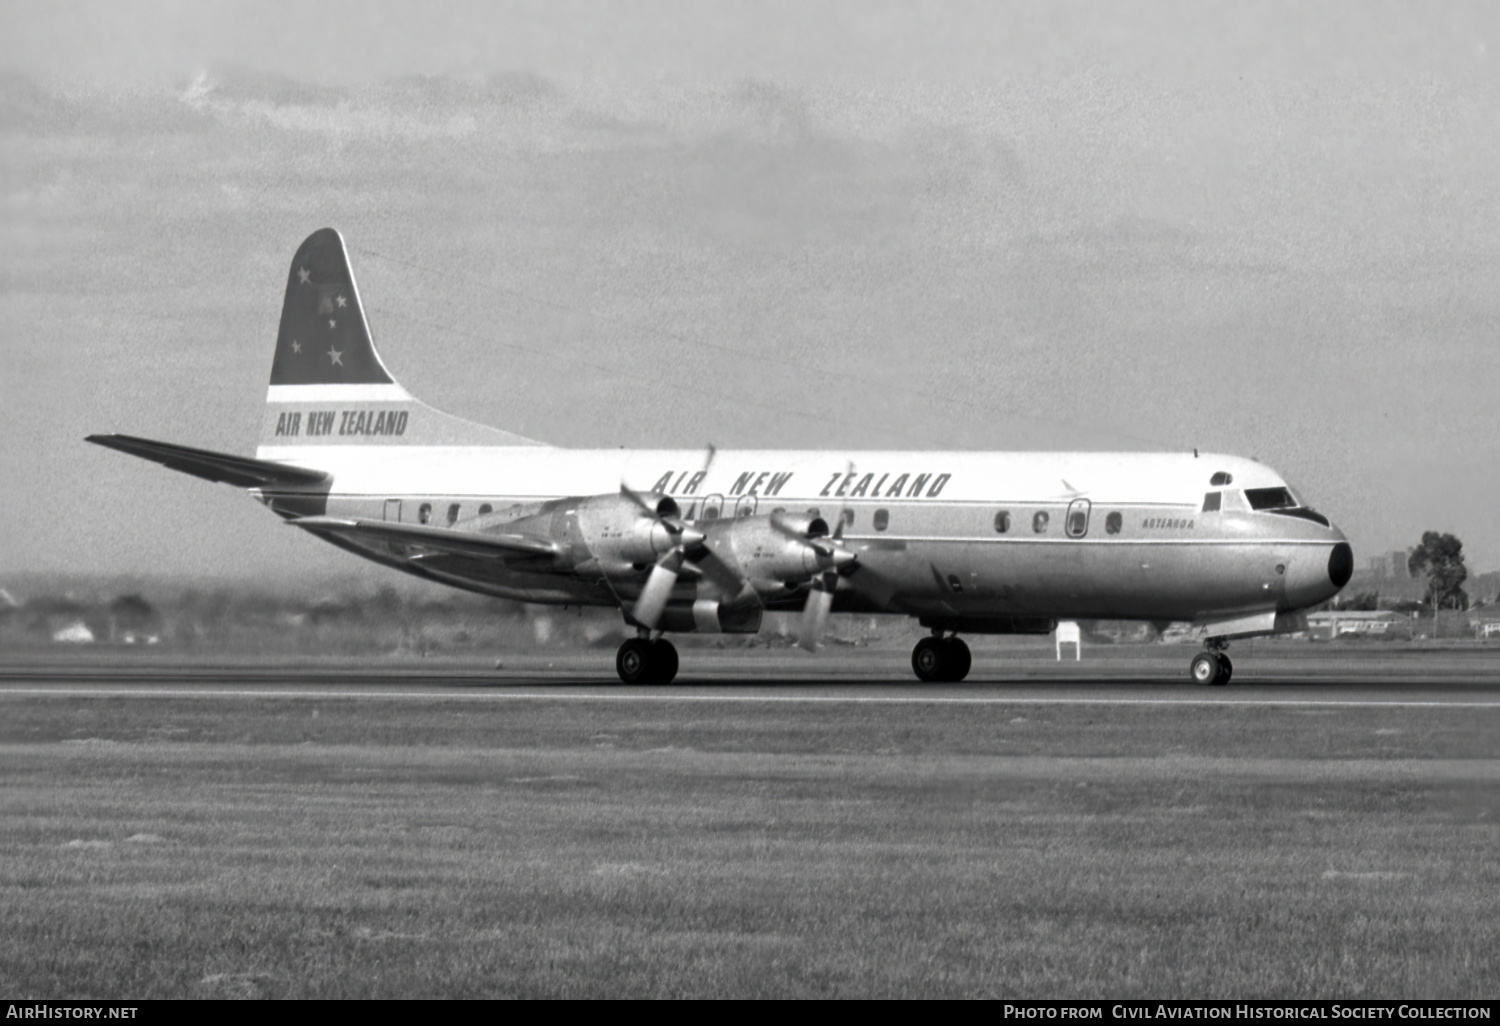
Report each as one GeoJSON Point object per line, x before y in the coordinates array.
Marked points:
{"type": "Point", "coordinates": [1270, 498]}
{"type": "Point", "coordinates": [1222, 477]}
{"type": "Point", "coordinates": [1281, 501]}
{"type": "Point", "coordinates": [1211, 501]}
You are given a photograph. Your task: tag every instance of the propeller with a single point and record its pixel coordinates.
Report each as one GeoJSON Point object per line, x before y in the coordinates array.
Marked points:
{"type": "Point", "coordinates": [815, 612]}
{"type": "Point", "coordinates": [833, 559]}
{"type": "Point", "coordinates": [687, 541]}
{"type": "Point", "coordinates": [683, 539]}
{"type": "Point", "coordinates": [658, 589]}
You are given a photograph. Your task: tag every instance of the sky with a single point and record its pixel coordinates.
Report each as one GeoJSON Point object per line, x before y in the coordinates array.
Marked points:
{"type": "Point", "coordinates": [1264, 229]}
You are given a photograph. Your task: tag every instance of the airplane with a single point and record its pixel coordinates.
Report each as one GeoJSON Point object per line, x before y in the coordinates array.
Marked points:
{"type": "Point", "coordinates": [685, 541]}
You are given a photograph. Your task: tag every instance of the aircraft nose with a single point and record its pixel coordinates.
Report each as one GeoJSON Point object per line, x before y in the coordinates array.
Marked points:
{"type": "Point", "coordinates": [1340, 564]}
{"type": "Point", "coordinates": [1320, 575]}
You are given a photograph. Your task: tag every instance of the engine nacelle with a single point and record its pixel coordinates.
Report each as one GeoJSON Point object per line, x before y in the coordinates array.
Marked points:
{"type": "Point", "coordinates": [617, 531]}
{"type": "Point", "coordinates": [610, 532]}
{"type": "Point", "coordinates": [761, 551]}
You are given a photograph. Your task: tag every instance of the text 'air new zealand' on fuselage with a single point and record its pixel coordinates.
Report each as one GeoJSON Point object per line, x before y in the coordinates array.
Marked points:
{"type": "Point", "coordinates": [694, 540]}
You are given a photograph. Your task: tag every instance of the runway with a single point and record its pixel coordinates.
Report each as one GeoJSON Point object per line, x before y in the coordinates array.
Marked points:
{"type": "Point", "coordinates": [1461, 680]}
{"type": "Point", "coordinates": [572, 693]}
{"type": "Point", "coordinates": [537, 830]}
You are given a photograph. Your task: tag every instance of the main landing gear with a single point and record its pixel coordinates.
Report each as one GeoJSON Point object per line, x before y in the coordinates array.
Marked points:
{"type": "Point", "coordinates": [646, 661]}
{"type": "Point", "coordinates": [942, 659]}
{"type": "Point", "coordinates": [1212, 666]}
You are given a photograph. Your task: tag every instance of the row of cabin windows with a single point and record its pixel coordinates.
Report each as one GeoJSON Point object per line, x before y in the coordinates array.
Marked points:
{"type": "Point", "coordinates": [1076, 523]}
{"type": "Point", "coordinates": [424, 512]}
{"type": "Point", "coordinates": [1077, 516]}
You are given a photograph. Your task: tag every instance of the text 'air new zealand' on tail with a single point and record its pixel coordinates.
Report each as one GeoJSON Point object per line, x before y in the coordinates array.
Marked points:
{"type": "Point", "coordinates": [329, 386]}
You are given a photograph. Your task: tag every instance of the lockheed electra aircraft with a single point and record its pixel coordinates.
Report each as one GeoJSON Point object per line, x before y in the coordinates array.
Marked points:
{"type": "Point", "coordinates": [704, 541]}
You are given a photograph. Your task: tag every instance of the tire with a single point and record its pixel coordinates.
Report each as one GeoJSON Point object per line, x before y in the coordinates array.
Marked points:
{"type": "Point", "coordinates": [1205, 669]}
{"type": "Point", "coordinates": [929, 660]}
{"type": "Point", "coordinates": [957, 659]}
{"type": "Point", "coordinates": [664, 659]}
{"type": "Point", "coordinates": [1226, 669]}
{"type": "Point", "coordinates": [634, 662]}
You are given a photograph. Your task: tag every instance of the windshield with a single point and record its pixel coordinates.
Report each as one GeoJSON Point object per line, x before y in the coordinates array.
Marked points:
{"type": "Point", "coordinates": [1270, 498]}
{"type": "Point", "coordinates": [1281, 500]}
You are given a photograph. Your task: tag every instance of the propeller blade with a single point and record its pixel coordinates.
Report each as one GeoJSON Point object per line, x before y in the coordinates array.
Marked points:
{"type": "Point", "coordinates": [876, 589]}
{"type": "Point", "coordinates": [637, 498]}
{"type": "Point", "coordinates": [815, 613]}
{"type": "Point", "coordinates": [725, 577]}
{"type": "Point", "coordinates": [658, 588]}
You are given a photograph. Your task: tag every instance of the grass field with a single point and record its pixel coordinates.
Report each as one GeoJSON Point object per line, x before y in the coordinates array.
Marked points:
{"type": "Point", "coordinates": [178, 847]}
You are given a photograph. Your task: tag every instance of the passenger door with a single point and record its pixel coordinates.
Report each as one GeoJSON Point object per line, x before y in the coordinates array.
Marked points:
{"type": "Point", "coordinates": [1077, 521]}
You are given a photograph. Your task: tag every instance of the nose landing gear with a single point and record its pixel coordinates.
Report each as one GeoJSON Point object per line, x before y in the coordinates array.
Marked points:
{"type": "Point", "coordinates": [1213, 665]}
{"type": "Point", "coordinates": [646, 661]}
{"type": "Point", "coordinates": [939, 659]}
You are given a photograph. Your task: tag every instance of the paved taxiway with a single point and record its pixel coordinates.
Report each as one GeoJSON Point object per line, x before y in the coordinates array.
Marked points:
{"type": "Point", "coordinates": [1475, 686]}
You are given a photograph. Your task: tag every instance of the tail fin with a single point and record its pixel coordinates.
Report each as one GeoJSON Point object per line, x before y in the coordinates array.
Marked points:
{"type": "Point", "coordinates": [328, 383]}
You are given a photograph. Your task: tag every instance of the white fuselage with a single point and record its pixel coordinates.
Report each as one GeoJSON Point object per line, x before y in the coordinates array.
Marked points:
{"type": "Point", "coordinates": [953, 536]}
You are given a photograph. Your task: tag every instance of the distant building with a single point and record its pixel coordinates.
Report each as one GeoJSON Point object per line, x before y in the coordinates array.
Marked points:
{"type": "Point", "coordinates": [75, 633]}
{"type": "Point", "coordinates": [1380, 623]}
{"type": "Point", "coordinates": [1486, 628]}
{"type": "Point", "coordinates": [1392, 564]}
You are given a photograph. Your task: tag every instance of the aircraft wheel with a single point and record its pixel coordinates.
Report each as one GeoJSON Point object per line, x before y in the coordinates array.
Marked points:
{"type": "Point", "coordinates": [634, 662]}
{"type": "Point", "coordinates": [957, 659]}
{"type": "Point", "coordinates": [1226, 669]}
{"type": "Point", "coordinates": [929, 659]}
{"type": "Point", "coordinates": [664, 658]}
{"type": "Point", "coordinates": [1206, 669]}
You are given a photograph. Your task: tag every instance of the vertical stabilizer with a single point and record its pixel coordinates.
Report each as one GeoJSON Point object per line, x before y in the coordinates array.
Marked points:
{"type": "Point", "coordinates": [328, 383]}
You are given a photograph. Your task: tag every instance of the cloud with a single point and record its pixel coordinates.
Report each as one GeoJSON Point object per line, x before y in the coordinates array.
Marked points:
{"type": "Point", "coordinates": [402, 111]}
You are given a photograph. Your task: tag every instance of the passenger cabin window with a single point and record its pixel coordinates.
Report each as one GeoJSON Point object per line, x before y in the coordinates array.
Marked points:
{"type": "Point", "coordinates": [485, 508]}
{"type": "Point", "coordinates": [1211, 501]}
{"type": "Point", "coordinates": [745, 507]}
{"type": "Point", "coordinates": [452, 514]}
{"type": "Point", "coordinates": [1039, 522]}
{"type": "Point", "coordinates": [1221, 478]}
{"type": "Point", "coordinates": [1113, 523]}
{"type": "Point", "coordinates": [424, 513]}
{"type": "Point", "coordinates": [1077, 524]}
{"type": "Point", "coordinates": [1002, 522]}
{"type": "Point", "coordinates": [882, 519]}
{"type": "Point", "coordinates": [711, 507]}
{"type": "Point", "coordinates": [848, 518]}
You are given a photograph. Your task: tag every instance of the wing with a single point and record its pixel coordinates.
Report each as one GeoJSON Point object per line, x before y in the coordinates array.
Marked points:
{"type": "Point", "coordinates": [240, 471]}
{"type": "Point", "coordinates": [433, 540]}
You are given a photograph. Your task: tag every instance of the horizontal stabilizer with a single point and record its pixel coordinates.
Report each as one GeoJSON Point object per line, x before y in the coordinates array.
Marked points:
{"type": "Point", "coordinates": [240, 471]}
{"type": "Point", "coordinates": [439, 539]}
